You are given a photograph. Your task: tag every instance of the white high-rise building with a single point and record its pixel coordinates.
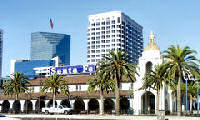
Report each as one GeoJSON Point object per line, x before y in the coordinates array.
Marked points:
{"type": "Point", "coordinates": [112, 30]}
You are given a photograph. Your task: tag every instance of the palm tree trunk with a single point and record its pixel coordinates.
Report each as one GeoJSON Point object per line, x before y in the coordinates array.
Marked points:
{"type": "Point", "coordinates": [16, 97]}
{"type": "Point", "coordinates": [54, 98]}
{"type": "Point", "coordinates": [190, 103]}
{"type": "Point", "coordinates": [101, 103]}
{"type": "Point", "coordinates": [157, 99]}
{"type": "Point", "coordinates": [179, 97]}
{"type": "Point", "coordinates": [117, 104]}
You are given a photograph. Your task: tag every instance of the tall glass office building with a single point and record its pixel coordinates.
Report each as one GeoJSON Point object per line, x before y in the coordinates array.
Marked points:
{"type": "Point", "coordinates": [45, 46]}
{"type": "Point", "coordinates": [1, 50]}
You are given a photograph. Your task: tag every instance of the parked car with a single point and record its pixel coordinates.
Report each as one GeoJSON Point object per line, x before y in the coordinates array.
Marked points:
{"type": "Point", "coordinates": [3, 117]}
{"type": "Point", "coordinates": [61, 109]}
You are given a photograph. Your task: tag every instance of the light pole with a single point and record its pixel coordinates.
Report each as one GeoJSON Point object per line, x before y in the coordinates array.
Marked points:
{"type": "Point", "coordinates": [197, 97]}
{"type": "Point", "coordinates": [186, 106]}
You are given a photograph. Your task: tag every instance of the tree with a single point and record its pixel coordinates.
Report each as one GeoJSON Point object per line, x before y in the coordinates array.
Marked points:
{"type": "Point", "coordinates": [118, 68]}
{"type": "Point", "coordinates": [55, 84]}
{"type": "Point", "coordinates": [101, 83]}
{"type": "Point", "coordinates": [17, 85]}
{"type": "Point", "coordinates": [179, 61]}
{"type": "Point", "coordinates": [154, 80]}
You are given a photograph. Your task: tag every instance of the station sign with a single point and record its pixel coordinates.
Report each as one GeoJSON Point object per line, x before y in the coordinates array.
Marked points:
{"type": "Point", "coordinates": [78, 69]}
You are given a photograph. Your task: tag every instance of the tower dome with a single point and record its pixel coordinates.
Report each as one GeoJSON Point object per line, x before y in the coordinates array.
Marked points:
{"type": "Point", "coordinates": [152, 44]}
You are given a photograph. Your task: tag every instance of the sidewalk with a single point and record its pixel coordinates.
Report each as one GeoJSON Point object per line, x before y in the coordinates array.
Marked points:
{"type": "Point", "coordinates": [105, 117]}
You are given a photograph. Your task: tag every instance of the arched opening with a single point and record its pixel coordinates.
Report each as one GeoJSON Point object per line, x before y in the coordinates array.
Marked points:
{"type": "Point", "coordinates": [148, 66]}
{"type": "Point", "coordinates": [124, 105]}
{"type": "Point", "coordinates": [16, 107]}
{"type": "Point", "coordinates": [50, 103]}
{"type": "Point", "coordinates": [79, 105]}
{"type": "Point", "coordinates": [93, 105]}
{"type": "Point", "coordinates": [5, 106]}
{"type": "Point", "coordinates": [28, 106]}
{"type": "Point", "coordinates": [39, 105]}
{"type": "Point", "coordinates": [65, 102]}
{"type": "Point", "coordinates": [148, 103]}
{"type": "Point", "coordinates": [108, 105]}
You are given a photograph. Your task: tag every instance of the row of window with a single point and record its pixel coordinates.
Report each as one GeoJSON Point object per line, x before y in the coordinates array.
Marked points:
{"type": "Point", "coordinates": [103, 28]}
{"type": "Point", "coordinates": [107, 22]}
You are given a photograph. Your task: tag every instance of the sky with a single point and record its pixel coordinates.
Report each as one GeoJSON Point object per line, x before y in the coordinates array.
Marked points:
{"type": "Point", "coordinates": [173, 22]}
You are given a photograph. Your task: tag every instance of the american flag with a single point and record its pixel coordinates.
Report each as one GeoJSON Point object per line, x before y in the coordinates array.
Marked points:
{"type": "Point", "coordinates": [51, 24]}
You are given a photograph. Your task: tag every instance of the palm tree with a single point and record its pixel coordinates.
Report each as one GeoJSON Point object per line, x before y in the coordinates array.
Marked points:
{"type": "Point", "coordinates": [54, 84]}
{"type": "Point", "coordinates": [17, 85]}
{"type": "Point", "coordinates": [179, 61]}
{"type": "Point", "coordinates": [117, 68]}
{"type": "Point", "coordinates": [101, 83]}
{"type": "Point", "coordinates": [154, 80]}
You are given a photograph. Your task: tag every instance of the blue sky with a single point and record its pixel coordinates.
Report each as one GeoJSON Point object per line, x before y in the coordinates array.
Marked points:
{"type": "Point", "coordinates": [173, 21]}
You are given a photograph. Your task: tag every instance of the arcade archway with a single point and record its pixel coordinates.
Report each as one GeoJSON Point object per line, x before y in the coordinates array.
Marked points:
{"type": "Point", "coordinates": [28, 106]}
{"type": "Point", "coordinates": [148, 103]}
{"type": "Point", "coordinates": [93, 105]}
{"type": "Point", "coordinates": [5, 106]}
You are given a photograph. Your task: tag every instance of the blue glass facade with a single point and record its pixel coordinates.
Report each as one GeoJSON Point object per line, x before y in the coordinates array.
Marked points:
{"type": "Point", "coordinates": [45, 46]}
{"type": "Point", "coordinates": [26, 66]}
{"type": "Point", "coordinates": [1, 50]}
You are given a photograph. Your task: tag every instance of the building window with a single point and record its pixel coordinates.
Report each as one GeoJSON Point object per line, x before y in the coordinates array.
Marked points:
{"type": "Point", "coordinates": [102, 32]}
{"type": "Point", "coordinates": [107, 32]}
{"type": "Point", "coordinates": [97, 28]}
{"type": "Point", "coordinates": [97, 55]}
{"type": "Point", "coordinates": [97, 51]}
{"type": "Point", "coordinates": [107, 22]}
{"type": "Point", "coordinates": [98, 23]}
{"type": "Point", "coordinates": [98, 38]}
{"type": "Point", "coordinates": [93, 46]}
{"type": "Point", "coordinates": [98, 33]}
{"type": "Point", "coordinates": [107, 46]}
{"type": "Point", "coordinates": [103, 23]}
{"type": "Point", "coordinates": [103, 46]}
{"type": "Point", "coordinates": [113, 26]}
{"type": "Point", "coordinates": [102, 41]}
{"type": "Point", "coordinates": [107, 36]}
{"type": "Point", "coordinates": [107, 27]}
{"type": "Point", "coordinates": [113, 21]}
{"type": "Point", "coordinates": [118, 19]}
{"type": "Point", "coordinates": [107, 41]}
{"type": "Point", "coordinates": [102, 50]}
{"type": "Point", "coordinates": [76, 87]}
{"type": "Point", "coordinates": [97, 42]}
{"type": "Point", "coordinates": [103, 37]}
{"type": "Point", "coordinates": [102, 28]}
{"type": "Point", "coordinates": [107, 50]}
{"type": "Point", "coordinates": [98, 46]}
